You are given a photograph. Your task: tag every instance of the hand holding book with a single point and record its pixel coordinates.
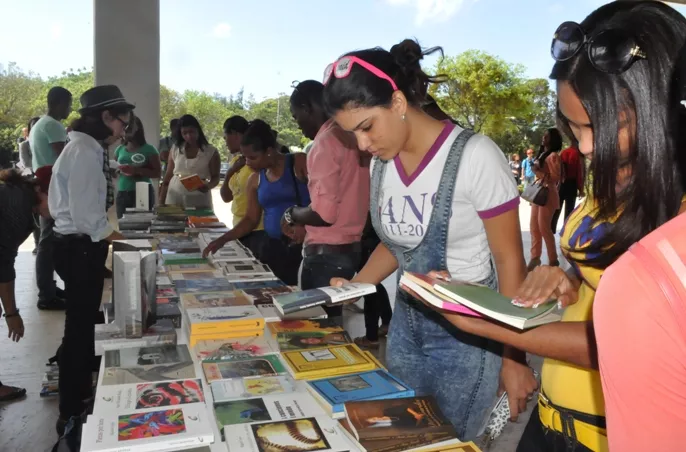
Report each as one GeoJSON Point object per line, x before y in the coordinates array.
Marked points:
{"type": "Point", "coordinates": [547, 283]}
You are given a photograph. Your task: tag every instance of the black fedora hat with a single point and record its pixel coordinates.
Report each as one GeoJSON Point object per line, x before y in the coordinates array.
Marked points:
{"type": "Point", "coordinates": [103, 97]}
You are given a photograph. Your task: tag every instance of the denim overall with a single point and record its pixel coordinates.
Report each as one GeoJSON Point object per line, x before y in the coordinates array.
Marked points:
{"type": "Point", "coordinates": [425, 350]}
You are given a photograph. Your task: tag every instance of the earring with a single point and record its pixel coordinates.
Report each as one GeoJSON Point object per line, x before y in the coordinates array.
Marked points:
{"type": "Point", "coordinates": [403, 117]}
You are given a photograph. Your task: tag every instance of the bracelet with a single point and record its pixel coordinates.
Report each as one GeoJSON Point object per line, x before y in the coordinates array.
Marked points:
{"type": "Point", "coordinates": [15, 314]}
{"type": "Point", "coordinates": [288, 216]}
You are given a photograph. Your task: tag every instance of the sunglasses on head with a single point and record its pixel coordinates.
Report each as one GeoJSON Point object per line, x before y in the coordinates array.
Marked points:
{"type": "Point", "coordinates": [342, 68]}
{"type": "Point", "coordinates": [611, 51]}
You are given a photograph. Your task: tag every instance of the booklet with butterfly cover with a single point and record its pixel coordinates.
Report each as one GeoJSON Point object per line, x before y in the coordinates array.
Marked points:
{"type": "Point", "coordinates": [478, 300]}
{"type": "Point", "coordinates": [233, 349]}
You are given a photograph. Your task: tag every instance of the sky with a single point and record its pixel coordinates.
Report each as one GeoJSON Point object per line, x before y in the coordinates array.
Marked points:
{"type": "Point", "coordinates": [262, 46]}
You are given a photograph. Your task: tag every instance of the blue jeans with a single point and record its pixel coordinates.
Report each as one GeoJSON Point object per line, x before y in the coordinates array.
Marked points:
{"type": "Point", "coordinates": [529, 180]}
{"type": "Point", "coordinates": [320, 268]}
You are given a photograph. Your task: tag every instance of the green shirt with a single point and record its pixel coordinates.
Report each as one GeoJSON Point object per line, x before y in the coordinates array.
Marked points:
{"type": "Point", "coordinates": [140, 159]}
{"type": "Point", "coordinates": [46, 131]}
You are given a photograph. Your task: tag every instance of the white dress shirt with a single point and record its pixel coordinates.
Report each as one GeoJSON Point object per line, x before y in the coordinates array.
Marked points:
{"type": "Point", "coordinates": [78, 189]}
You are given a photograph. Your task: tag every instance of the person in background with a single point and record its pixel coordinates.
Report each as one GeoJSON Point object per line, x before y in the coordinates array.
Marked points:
{"type": "Point", "coordinates": [278, 182]}
{"type": "Point", "coordinates": [233, 189]}
{"type": "Point", "coordinates": [138, 162]}
{"type": "Point", "coordinates": [167, 143]}
{"type": "Point", "coordinates": [548, 169]}
{"type": "Point", "coordinates": [516, 167]}
{"type": "Point", "coordinates": [528, 174]}
{"type": "Point", "coordinates": [432, 212]}
{"type": "Point", "coordinates": [26, 159]}
{"type": "Point", "coordinates": [80, 194]}
{"type": "Point", "coordinates": [191, 154]}
{"type": "Point", "coordinates": [47, 139]}
{"type": "Point", "coordinates": [573, 183]}
{"type": "Point", "coordinates": [21, 198]}
{"type": "Point", "coordinates": [338, 182]}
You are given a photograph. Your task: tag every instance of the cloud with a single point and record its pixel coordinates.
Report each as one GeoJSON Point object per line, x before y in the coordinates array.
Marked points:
{"type": "Point", "coordinates": [430, 10]}
{"type": "Point", "coordinates": [222, 30]}
{"type": "Point", "coordinates": [56, 31]}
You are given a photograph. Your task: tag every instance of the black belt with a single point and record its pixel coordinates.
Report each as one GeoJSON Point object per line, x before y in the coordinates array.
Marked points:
{"type": "Point", "coordinates": [312, 250]}
{"type": "Point", "coordinates": [59, 236]}
{"type": "Point", "coordinates": [590, 419]}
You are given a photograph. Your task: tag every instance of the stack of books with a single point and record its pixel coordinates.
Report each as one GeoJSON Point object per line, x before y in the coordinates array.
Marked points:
{"type": "Point", "coordinates": [50, 383]}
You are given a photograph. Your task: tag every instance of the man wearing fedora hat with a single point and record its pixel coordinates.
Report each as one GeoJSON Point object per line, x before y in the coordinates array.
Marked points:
{"type": "Point", "coordinates": [81, 192]}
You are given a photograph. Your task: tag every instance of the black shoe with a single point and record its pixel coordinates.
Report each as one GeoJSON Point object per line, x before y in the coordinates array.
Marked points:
{"type": "Point", "coordinates": [56, 304]}
{"type": "Point", "coordinates": [60, 293]}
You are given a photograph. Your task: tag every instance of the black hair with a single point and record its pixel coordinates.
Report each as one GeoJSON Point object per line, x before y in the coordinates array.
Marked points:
{"type": "Point", "coordinates": [91, 122]}
{"type": "Point", "coordinates": [58, 96]}
{"type": "Point", "coordinates": [361, 88]}
{"type": "Point", "coordinates": [308, 94]}
{"type": "Point", "coordinates": [190, 121]}
{"type": "Point", "coordinates": [260, 136]}
{"type": "Point", "coordinates": [139, 135]}
{"type": "Point", "coordinates": [173, 124]}
{"type": "Point", "coordinates": [28, 184]}
{"type": "Point", "coordinates": [645, 94]}
{"type": "Point", "coordinates": [236, 124]}
{"type": "Point", "coordinates": [32, 122]}
{"type": "Point", "coordinates": [555, 139]}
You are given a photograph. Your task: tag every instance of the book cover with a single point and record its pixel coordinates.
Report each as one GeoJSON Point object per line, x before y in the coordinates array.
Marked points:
{"type": "Point", "coordinates": [194, 219]}
{"type": "Point", "coordinates": [147, 364]}
{"type": "Point", "coordinates": [232, 349]}
{"type": "Point", "coordinates": [131, 245]}
{"type": "Point", "coordinates": [374, 385]}
{"type": "Point", "coordinates": [129, 398]}
{"type": "Point", "coordinates": [192, 182]}
{"type": "Point", "coordinates": [329, 361]}
{"type": "Point", "coordinates": [243, 285]}
{"type": "Point", "coordinates": [243, 388]}
{"type": "Point", "coordinates": [263, 295]}
{"type": "Point", "coordinates": [134, 290]}
{"type": "Point", "coordinates": [214, 299]}
{"type": "Point", "coordinates": [163, 280]}
{"type": "Point", "coordinates": [233, 334]}
{"type": "Point", "coordinates": [423, 287]}
{"type": "Point", "coordinates": [296, 301]}
{"type": "Point", "coordinates": [300, 340]}
{"type": "Point", "coordinates": [190, 266]}
{"type": "Point", "coordinates": [203, 285]}
{"type": "Point", "coordinates": [397, 418]}
{"type": "Point", "coordinates": [217, 319]}
{"type": "Point", "coordinates": [108, 336]}
{"type": "Point", "coordinates": [308, 435]}
{"type": "Point", "coordinates": [271, 314]}
{"type": "Point", "coordinates": [278, 407]}
{"type": "Point", "coordinates": [168, 309]}
{"type": "Point", "coordinates": [249, 267]}
{"type": "Point", "coordinates": [170, 429]}
{"type": "Point", "coordinates": [263, 366]}
{"type": "Point", "coordinates": [178, 276]}
{"type": "Point", "coordinates": [166, 292]}
{"type": "Point", "coordinates": [420, 443]}
{"type": "Point", "coordinates": [323, 325]}
{"type": "Point", "coordinates": [236, 278]}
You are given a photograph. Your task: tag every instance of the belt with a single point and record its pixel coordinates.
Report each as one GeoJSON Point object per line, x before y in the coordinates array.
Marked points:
{"type": "Point", "coordinates": [575, 426]}
{"type": "Point", "coordinates": [312, 250]}
{"type": "Point", "coordinates": [59, 236]}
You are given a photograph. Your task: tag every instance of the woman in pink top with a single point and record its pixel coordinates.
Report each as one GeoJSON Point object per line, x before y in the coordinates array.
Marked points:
{"type": "Point", "coordinates": [548, 169]}
{"type": "Point", "coordinates": [640, 326]}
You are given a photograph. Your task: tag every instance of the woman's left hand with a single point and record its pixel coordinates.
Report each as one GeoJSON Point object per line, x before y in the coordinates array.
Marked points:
{"type": "Point", "coordinates": [518, 380]}
{"type": "Point", "coordinates": [204, 189]}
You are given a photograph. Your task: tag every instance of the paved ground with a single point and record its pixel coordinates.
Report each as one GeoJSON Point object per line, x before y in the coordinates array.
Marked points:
{"type": "Point", "coordinates": [28, 425]}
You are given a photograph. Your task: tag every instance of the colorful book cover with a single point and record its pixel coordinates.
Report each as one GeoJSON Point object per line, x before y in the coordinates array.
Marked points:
{"type": "Point", "coordinates": [170, 429]}
{"type": "Point", "coordinates": [330, 361]}
{"type": "Point", "coordinates": [263, 295]}
{"type": "Point", "coordinates": [203, 285]}
{"type": "Point", "coordinates": [147, 364]}
{"type": "Point", "coordinates": [300, 340]}
{"type": "Point", "coordinates": [243, 388]}
{"type": "Point", "coordinates": [374, 385]}
{"type": "Point", "coordinates": [319, 433]}
{"type": "Point", "coordinates": [241, 368]}
{"type": "Point", "coordinates": [166, 292]}
{"type": "Point", "coordinates": [216, 319]}
{"type": "Point", "coordinates": [214, 300]}
{"type": "Point", "coordinates": [392, 418]}
{"type": "Point", "coordinates": [232, 349]}
{"type": "Point", "coordinates": [243, 285]}
{"type": "Point", "coordinates": [279, 407]}
{"type": "Point", "coordinates": [192, 182]}
{"type": "Point", "coordinates": [324, 325]}
{"type": "Point", "coordinates": [128, 398]}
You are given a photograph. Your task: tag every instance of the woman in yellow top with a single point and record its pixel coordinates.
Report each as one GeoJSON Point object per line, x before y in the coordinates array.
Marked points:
{"type": "Point", "coordinates": [236, 180]}
{"type": "Point", "coordinates": [616, 82]}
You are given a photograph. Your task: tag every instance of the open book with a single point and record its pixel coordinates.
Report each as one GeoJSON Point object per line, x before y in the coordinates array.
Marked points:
{"type": "Point", "coordinates": [478, 300]}
{"type": "Point", "coordinates": [192, 183]}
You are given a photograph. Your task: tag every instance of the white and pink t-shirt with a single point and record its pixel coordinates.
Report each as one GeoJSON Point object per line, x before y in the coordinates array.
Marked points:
{"type": "Point", "coordinates": [484, 189]}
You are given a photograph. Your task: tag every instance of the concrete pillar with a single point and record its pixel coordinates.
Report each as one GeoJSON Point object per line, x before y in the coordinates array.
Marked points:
{"type": "Point", "coordinates": [127, 54]}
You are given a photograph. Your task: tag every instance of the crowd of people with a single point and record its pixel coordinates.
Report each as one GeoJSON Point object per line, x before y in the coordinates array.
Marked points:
{"type": "Point", "coordinates": [390, 184]}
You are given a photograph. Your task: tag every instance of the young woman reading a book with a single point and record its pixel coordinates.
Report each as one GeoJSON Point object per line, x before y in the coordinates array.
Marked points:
{"type": "Point", "coordinates": [616, 81]}
{"type": "Point", "coordinates": [191, 155]}
{"type": "Point", "coordinates": [431, 212]}
{"type": "Point", "coordinates": [279, 181]}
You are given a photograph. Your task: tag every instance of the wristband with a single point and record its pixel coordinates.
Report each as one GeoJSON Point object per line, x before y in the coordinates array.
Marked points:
{"type": "Point", "coordinates": [14, 314]}
{"type": "Point", "coordinates": [288, 216]}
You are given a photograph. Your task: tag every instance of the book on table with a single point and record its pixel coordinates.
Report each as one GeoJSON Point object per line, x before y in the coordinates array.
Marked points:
{"type": "Point", "coordinates": [478, 300]}
{"type": "Point", "coordinates": [184, 275]}
{"type": "Point", "coordinates": [130, 398]}
{"type": "Point", "coordinates": [214, 299]}
{"type": "Point", "coordinates": [271, 314]}
{"type": "Point", "coordinates": [323, 325]}
{"type": "Point", "coordinates": [266, 365]}
{"type": "Point", "coordinates": [108, 336]}
{"type": "Point", "coordinates": [147, 364]}
{"type": "Point", "coordinates": [243, 388]}
{"type": "Point", "coordinates": [292, 302]}
{"type": "Point", "coordinates": [328, 362]}
{"type": "Point", "coordinates": [223, 319]}
{"type": "Point", "coordinates": [134, 290]}
{"type": "Point", "coordinates": [232, 349]}
{"type": "Point", "coordinates": [303, 340]}
{"type": "Point", "coordinates": [192, 182]}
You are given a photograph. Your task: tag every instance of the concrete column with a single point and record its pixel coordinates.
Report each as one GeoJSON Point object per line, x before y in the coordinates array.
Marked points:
{"type": "Point", "coordinates": [127, 54]}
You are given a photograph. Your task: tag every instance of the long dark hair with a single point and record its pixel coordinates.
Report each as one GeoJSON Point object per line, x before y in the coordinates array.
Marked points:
{"type": "Point", "coordinates": [555, 145]}
{"type": "Point", "coordinates": [138, 137]}
{"type": "Point", "coordinates": [646, 94]}
{"type": "Point", "coordinates": [190, 121]}
{"type": "Point", "coordinates": [361, 88]}
{"type": "Point", "coordinates": [260, 136]}
{"type": "Point", "coordinates": [91, 123]}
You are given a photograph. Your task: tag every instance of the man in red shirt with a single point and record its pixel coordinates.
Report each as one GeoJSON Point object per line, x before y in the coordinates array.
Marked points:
{"type": "Point", "coordinates": [572, 181]}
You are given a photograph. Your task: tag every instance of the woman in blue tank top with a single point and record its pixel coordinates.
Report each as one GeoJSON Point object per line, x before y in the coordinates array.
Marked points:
{"type": "Point", "coordinates": [279, 181]}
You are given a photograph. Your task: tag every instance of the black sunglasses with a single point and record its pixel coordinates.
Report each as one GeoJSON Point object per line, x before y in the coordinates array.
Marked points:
{"type": "Point", "coordinates": [611, 51]}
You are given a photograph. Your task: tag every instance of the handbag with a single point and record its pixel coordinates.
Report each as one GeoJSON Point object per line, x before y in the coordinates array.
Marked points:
{"type": "Point", "coordinates": [536, 193]}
